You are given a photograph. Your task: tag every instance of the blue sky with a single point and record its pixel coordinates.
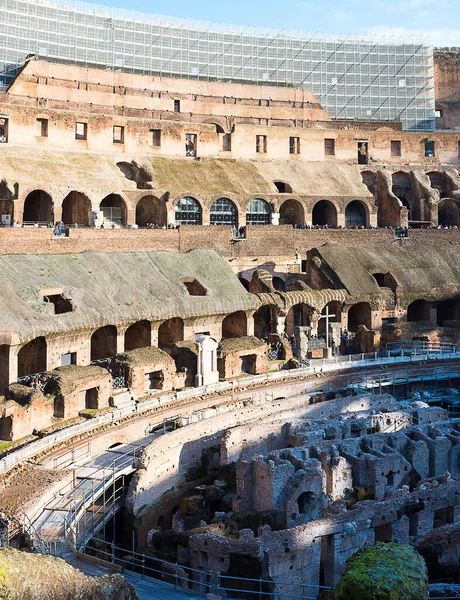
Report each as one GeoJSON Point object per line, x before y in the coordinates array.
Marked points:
{"type": "Point", "coordinates": [439, 19]}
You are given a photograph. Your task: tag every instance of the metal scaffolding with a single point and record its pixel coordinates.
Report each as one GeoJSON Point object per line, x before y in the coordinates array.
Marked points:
{"type": "Point", "coordinates": [353, 77]}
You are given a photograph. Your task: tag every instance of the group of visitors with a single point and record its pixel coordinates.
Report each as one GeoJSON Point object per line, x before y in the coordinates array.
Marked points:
{"type": "Point", "coordinates": [155, 226]}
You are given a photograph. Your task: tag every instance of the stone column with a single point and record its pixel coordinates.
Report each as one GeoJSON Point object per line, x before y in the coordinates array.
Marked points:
{"type": "Point", "coordinates": [275, 218]}
{"type": "Point", "coordinates": [13, 364]}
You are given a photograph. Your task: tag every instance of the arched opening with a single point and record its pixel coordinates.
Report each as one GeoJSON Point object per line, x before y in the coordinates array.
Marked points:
{"type": "Point", "coordinates": [438, 181]}
{"type": "Point", "coordinates": [385, 280]}
{"type": "Point", "coordinates": [38, 208]}
{"type": "Point", "coordinates": [333, 309]}
{"type": "Point", "coordinates": [104, 342]}
{"type": "Point", "coordinates": [114, 210]}
{"type": "Point", "coordinates": [188, 212]}
{"type": "Point", "coordinates": [224, 212]}
{"type": "Point", "coordinates": [359, 314]}
{"type": "Point", "coordinates": [419, 310]}
{"type": "Point", "coordinates": [151, 211]}
{"type": "Point", "coordinates": [283, 187]}
{"type": "Point", "coordinates": [448, 310]}
{"type": "Point", "coordinates": [263, 322]}
{"type": "Point", "coordinates": [244, 282]}
{"type": "Point", "coordinates": [355, 215]}
{"type": "Point", "coordinates": [170, 332]}
{"type": "Point", "coordinates": [76, 208]}
{"type": "Point", "coordinates": [194, 287]}
{"type": "Point", "coordinates": [235, 325]}
{"type": "Point", "coordinates": [307, 505]}
{"type": "Point", "coordinates": [258, 212]}
{"type": "Point", "coordinates": [369, 181]}
{"type": "Point", "coordinates": [403, 190]}
{"type": "Point", "coordinates": [448, 213]}
{"type": "Point", "coordinates": [324, 213]}
{"type": "Point", "coordinates": [292, 213]}
{"type": "Point", "coordinates": [297, 316]}
{"type": "Point", "coordinates": [138, 335]}
{"type": "Point", "coordinates": [279, 284]}
{"type": "Point", "coordinates": [32, 357]}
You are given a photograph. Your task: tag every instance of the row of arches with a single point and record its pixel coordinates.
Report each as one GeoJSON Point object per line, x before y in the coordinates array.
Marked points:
{"type": "Point", "coordinates": [77, 209]}
{"type": "Point", "coordinates": [421, 310]}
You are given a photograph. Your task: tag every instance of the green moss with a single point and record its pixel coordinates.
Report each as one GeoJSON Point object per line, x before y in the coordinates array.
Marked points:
{"type": "Point", "coordinates": [384, 572]}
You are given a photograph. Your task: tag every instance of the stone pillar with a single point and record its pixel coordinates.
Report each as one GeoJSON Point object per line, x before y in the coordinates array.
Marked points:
{"type": "Point", "coordinates": [130, 215]}
{"type": "Point", "coordinates": [279, 322]}
{"type": "Point", "coordinates": [373, 219]}
{"type": "Point", "coordinates": [154, 336]}
{"type": "Point", "coordinates": [314, 322]}
{"type": "Point", "coordinates": [58, 213]}
{"type": "Point", "coordinates": [433, 315]}
{"type": "Point", "coordinates": [404, 217]}
{"type": "Point", "coordinates": [13, 364]}
{"type": "Point", "coordinates": [121, 339]}
{"type": "Point", "coordinates": [250, 324]}
{"type": "Point", "coordinates": [275, 218]}
{"type": "Point", "coordinates": [340, 219]}
{"type": "Point", "coordinates": [301, 341]}
{"type": "Point", "coordinates": [205, 216]}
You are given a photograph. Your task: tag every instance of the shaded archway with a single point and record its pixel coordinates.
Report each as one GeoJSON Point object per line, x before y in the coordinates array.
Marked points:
{"type": "Point", "coordinates": [235, 325]}
{"type": "Point", "coordinates": [263, 322]}
{"type": "Point", "coordinates": [4, 367]}
{"type": "Point", "coordinates": [448, 213]}
{"type": "Point", "coordinates": [385, 280]}
{"type": "Point", "coordinates": [355, 214]}
{"type": "Point", "coordinates": [151, 210]}
{"type": "Point", "coordinates": [402, 188]}
{"type": "Point", "coordinates": [369, 180]}
{"type": "Point", "coordinates": [76, 208]}
{"type": "Point", "coordinates": [224, 212]}
{"type": "Point", "coordinates": [324, 213]}
{"type": "Point", "coordinates": [32, 357]}
{"type": "Point", "coordinates": [334, 309]}
{"type": "Point", "coordinates": [283, 187]}
{"type": "Point", "coordinates": [170, 332]}
{"type": "Point", "coordinates": [258, 212]}
{"type": "Point", "coordinates": [292, 213]}
{"type": "Point", "coordinates": [104, 342]}
{"type": "Point", "coordinates": [188, 211]}
{"type": "Point", "coordinates": [359, 314]}
{"type": "Point", "coordinates": [138, 335]}
{"type": "Point", "coordinates": [244, 282]}
{"type": "Point", "coordinates": [438, 181]}
{"type": "Point", "coordinates": [6, 207]}
{"type": "Point", "coordinates": [38, 208]}
{"type": "Point", "coordinates": [113, 207]}
{"type": "Point", "coordinates": [297, 316]}
{"type": "Point", "coordinates": [448, 310]}
{"type": "Point", "coordinates": [279, 284]}
{"type": "Point", "coordinates": [419, 310]}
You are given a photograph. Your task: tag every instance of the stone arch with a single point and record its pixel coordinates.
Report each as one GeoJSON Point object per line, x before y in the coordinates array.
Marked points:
{"type": "Point", "coordinates": [32, 357]}
{"type": "Point", "coordinates": [448, 310]}
{"type": "Point", "coordinates": [38, 208]}
{"type": "Point", "coordinates": [224, 212]}
{"type": "Point", "coordinates": [385, 280]}
{"type": "Point", "coordinates": [258, 212]}
{"type": "Point", "coordinates": [244, 282]}
{"type": "Point", "coordinates": [188, 211]}
{"type": "Point", "coordinates": [279, 284]}
{"type": "Point", "coordinates": [356, 214]}
{"type": "Point", "coordinates": [438, 181]}
{"type": "Point", "coordinates": [170, 332]}
{"type": "Point", "coordinates": [418, 310]}
{"type": "Point", "coordinates": [76, 208]}
{"type": "Point", "coordinates": [334, 309]}
{"type": "Point", "coordinates": [283, 187]}
{"type": "Point", "coordinates": [104, 342]}
{"type": "Point", "coordinates": [264, 321]}
{"type": "Point", "coordinates": [370, 181]}
{"type": "Point", "coordinates": [324, 213]}
{"type": "Point", "coordinates": [359, 314]}
{"type": "Point", "coordinates": [151, 210]}
{"type": "Point", "coordinates": [114, 210]}
{"type": "Point", "coordinates": [292, 213]}
{"type": "Point", "coordinates": [235, 325]}
{"type": "Point", "coordinates": [297, 316]}
{"type": "Point", "coordinates": [403, 189]}
{"type": "Point", "coordinates": [448, 213]}
{"type": "Point", "coordinates": [138, 335]}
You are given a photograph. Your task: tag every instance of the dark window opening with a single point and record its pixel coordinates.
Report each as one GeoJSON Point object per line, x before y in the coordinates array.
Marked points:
{"type": "Point", "coordinates": [156, 137]}
{"type": "Point", "coordinates": [81, 131]}
{"type": "Point", "coordinates": [42, 127]}
{"type": "Point", "coordinates": [155, 380]}
{"type": "Point", "coordinates": [68, 359]}
{"type": "Point", "coordinates": [176, 105]}
{"type": "Point", "coordinates": [443, 516]}
{"type": "Point", "coordinates": [294, 145]}
{"type": "Point", "coordinates": [61, 304]}
{"type": "Point", "coordinates": [261, 143]}
{"type": "Point", "coordinates": [3, 130]}
{"type": "Point", "coordinates": [227, 142]}
{"type": "Point", "coordinates": [283, 187]}
{"type": "Point", "coordinates": [91, 398]}
{"type": "Point", "coordinates": [363, 153]}
{"type": "Point", "coordinates": [429, 148]}
{"type": "Point", "coordinates": [195, 288]}
{"type": "Point", "coordinates": [118, 134]}
{"type": "Point", "coordinates": [329, 147]}
{"type": "Point", "coordinates": [395, 148]}
{"type": "Point", "coordinates": [190, 144]}
{"type": "Point", "coordinates": [248, 364]}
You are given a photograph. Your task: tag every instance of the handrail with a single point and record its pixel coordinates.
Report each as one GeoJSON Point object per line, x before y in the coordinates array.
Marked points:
{"type": "Point", "coordinates": [324, 365]}
{"type": "Point", "coordinates": [35, 538]}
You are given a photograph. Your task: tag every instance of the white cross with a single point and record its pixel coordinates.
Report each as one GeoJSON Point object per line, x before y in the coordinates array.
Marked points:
{"type": "Point", "coordinates": [327, 316]}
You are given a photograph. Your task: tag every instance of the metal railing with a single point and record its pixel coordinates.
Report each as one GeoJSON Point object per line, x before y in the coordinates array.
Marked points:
{"type": "Point", "coordinates": [200, 581]}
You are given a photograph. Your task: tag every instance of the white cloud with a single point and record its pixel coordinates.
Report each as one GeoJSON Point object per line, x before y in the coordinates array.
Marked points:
{"type": "Point", "coordinates": [442, 36]}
